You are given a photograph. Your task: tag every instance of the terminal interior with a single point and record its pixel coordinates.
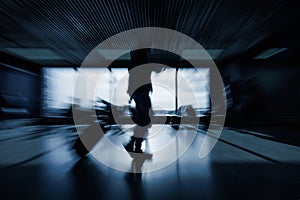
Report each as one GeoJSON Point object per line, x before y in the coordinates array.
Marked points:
{"type": "Point", "coordinates": [241, 144]}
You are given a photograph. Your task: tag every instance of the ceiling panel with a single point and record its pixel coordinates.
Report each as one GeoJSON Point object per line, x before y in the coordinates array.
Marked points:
{"type": "Point", "coordinates": [71, 29]}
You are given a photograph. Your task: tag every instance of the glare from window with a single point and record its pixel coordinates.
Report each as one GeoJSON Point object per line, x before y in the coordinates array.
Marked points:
{"type": "Point", "coordinates": [112, 87]}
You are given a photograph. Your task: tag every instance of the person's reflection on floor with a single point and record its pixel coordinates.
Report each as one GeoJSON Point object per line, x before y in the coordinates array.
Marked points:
{"type": "Point", "coordinates": [134, 177]}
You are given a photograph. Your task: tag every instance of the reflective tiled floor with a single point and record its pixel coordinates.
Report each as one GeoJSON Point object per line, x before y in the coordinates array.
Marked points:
{"type": "Point", "coordinates": [38, 162]}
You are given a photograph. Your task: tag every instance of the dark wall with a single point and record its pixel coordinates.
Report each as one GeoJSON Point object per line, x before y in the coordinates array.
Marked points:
{"type": "Point", "coordinates": [264, 91]}
{"type": "Point", "coordinates": [21, 82]}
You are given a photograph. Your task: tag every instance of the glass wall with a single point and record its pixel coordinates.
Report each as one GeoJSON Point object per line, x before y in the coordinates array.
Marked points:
{"type": "Point", "coordinates": [192, 88]}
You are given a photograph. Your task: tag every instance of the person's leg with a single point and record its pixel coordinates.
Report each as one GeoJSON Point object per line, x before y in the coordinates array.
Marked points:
{"type": "Point", "coordinates": [143, 115]}
{"type": "Point", "coordinates": [143, 120]}
{"type": "Point", "coordinates": [143, 109]}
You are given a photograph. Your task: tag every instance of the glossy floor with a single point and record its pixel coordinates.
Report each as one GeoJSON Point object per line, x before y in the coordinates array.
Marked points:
{"type": "Point", "coordinates": [38, 162]}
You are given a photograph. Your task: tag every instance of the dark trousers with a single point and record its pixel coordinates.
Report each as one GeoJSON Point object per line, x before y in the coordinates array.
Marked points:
{"type": "Point", "coordinates": [141, 115]}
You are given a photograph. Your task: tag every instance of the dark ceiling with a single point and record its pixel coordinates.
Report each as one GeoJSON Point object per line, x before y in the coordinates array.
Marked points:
{"type": "Point", "coordinates": [63, 32]}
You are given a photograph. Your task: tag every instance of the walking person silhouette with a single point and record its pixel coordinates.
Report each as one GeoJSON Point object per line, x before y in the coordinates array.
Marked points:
{"type": "Point", "coordinates": [139, 89]}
